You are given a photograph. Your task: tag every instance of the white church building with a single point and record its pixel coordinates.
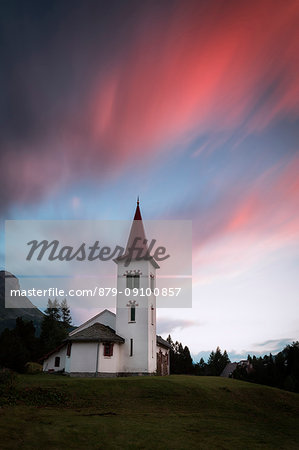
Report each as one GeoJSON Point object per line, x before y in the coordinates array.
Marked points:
{"type": "Point", "coordinates": [124, 343]}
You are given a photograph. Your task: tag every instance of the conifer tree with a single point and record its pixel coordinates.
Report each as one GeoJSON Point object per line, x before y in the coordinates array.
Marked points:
{"type": "Point", "coordinates": [65, 314]}
{"type": "Point", "coordinates": [53, 332]}
{"type": "Point", "coordinates": [217, 362]}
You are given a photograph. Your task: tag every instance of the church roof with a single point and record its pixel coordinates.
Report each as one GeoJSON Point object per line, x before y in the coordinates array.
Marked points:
{"type": "Point", "coordinates": [97, 316]}
{"type": "Point", "coordinates": [97, 332]}
{"type": "Point", "coordinates": [56, 349]}
{"type": "Point", "coordinates": [229, 369]}
{"type": "Point", "coordinates": [137, 212]}
{"type": "Point", "coordinates": [161, 342]}
{"type": "Point", "coordinates": [137, 240]}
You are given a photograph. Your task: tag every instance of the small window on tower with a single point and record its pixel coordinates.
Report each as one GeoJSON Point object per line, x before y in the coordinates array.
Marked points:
{"type": "Point", "coordinates": [132, 314]}
{"type": "Point", "coordinates": [68, 349]}
{"type": "Point", "coordinates": [133, 281]}
{"type": "Point", "coordinates": [108, 349]}
{"type": "Point", "coordinates": [152, 315]}
{"type": "Point", "coordinates": [152, 283]}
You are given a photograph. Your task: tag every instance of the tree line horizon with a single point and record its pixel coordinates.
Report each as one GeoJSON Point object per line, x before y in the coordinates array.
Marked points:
{"type": "Point", "coordinates": [21, 345]}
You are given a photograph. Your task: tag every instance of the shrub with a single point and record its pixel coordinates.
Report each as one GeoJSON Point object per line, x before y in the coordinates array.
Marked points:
{"type": "Point", "coordinates": [33, 368]}
{"type": "Point", "coordinates": [7, 378]}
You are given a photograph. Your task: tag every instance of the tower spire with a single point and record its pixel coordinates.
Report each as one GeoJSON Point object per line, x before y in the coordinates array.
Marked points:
{"type": "Point", "coordinates": [137, 230]}
{"type": "Point", "coordinates": [137, 242]}
{"type": "Point", "coordinates": [137, 212]}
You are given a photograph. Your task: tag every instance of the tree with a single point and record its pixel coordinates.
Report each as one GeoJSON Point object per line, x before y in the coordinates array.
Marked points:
{"type": "Point", "coordinates": [53, 309]}
{"type": "Point", "coordinates": [187, 363]}
{"type": "Point", "coordinates": [25, 331]}
{"type": "Point", "coordinates": [180, 358]}
{"type": "Point", "coordinates": [18, 346]}
{"type": "Point", "coordinates": [65, 314]}
{"type": "Point", "coordinates": [281, 371]}
{"type": "Point", "coordinates": [217, 362]}
{"type": "Point", "coordinates": [291, 382]}
{"type": "Point", "coordinates": [200, 368]}
{"type": "Point", "coordinates": [53, 331]}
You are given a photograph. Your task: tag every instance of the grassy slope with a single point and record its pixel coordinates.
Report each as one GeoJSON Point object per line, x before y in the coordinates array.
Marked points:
{"type": "Point", "coordinates": [173, 412]}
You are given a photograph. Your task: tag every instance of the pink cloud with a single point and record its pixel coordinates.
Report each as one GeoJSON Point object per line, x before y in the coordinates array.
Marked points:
{"type": "Point", "coordinates": [197, 69]}
{"type": "Point", "coordinates": [262, 218]}
{"type": "Point", "coordinates": [203, 69]}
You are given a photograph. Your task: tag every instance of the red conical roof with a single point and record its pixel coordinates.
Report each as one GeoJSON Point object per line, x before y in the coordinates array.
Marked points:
{"type": "Point", "coordinates": [137, 241]}
{"type": "Point", "coordinates": [137, 233]}
{"type": "Point", "coordinates": [137, 212]}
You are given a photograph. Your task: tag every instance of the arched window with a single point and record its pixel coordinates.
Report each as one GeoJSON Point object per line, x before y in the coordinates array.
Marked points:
{"type": "Point", "coordinates": [133, 281]}
{"type": "Point", "coordinates": [132, 313]}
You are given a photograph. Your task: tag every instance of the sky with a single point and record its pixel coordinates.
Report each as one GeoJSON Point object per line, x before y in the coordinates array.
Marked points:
{"type": "Point", "coordinates": [193, 106]}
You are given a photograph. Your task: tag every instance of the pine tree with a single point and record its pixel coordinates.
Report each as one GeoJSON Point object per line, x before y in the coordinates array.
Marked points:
{"type": "Point", "coordinates": [200, 368]}
{"type": "Point", "coordinates": [180, 358]}
{"type": "Point", "coordinates": [53, 332]}
{"type": "Point", "coordinates": [225, 360]}
{"type": "Point", "coordinates": [217, 362]}
{"type": "Point", "coordinates": [187, 361]}
{"type": "Point", "coordinates": [169, 340]}
{"type": "Point", "coordinates": [18, 346]}
{"type": "Point", "coordinates": [65, 314]}
{"type": "Point", "coordinates": [53, 309]}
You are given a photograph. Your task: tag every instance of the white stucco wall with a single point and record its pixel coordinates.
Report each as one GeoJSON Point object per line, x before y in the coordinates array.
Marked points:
{"type": "Point", "coordinates": [49, 363]}
{"type": "Point", "coordinates": [141, 331]}
{"type": "Point", "coordinates": [109, 364]}
{"type": "Point", "coordinates": [67, 364]}
{"type": "Point", "coordinates": [83, 357]}
{"type": "Point", "coordinates": [152, 336]}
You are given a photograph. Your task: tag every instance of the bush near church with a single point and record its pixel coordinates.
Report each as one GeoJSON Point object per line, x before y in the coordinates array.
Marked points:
{"type": "Point", "coordinates": [33, 367]}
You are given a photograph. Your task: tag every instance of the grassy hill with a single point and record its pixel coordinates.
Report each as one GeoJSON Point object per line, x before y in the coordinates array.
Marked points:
{"type": "Point", "coordinates": [176, 412]}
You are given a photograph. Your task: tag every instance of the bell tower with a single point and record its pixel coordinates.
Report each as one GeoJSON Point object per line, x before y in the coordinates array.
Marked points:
{"type": "Point", "coordinates": [136, 302]}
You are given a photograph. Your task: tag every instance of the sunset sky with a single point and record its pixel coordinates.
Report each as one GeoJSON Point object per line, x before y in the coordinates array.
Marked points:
{"type": "Point", "coordinates": [193, 106]}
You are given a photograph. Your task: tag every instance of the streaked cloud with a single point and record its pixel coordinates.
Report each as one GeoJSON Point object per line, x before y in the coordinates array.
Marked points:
{"type": "Point", "coordinates": [85, 107]}
{"type": "Point", "coordinates": [250, 220]}
{"type": "Point", "coordinates": [170, 325]}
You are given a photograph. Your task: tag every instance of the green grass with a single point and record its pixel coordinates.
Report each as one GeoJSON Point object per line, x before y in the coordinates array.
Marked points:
{"type": "Point", "coordinates": [176, 412]}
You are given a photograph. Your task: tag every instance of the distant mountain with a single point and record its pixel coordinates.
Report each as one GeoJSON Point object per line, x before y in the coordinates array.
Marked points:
{"type": "Point", "coordinates": [24, 308]}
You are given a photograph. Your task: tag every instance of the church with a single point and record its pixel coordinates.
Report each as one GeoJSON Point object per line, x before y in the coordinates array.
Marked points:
{"type": "Point", "coordinates": [125, 343]}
